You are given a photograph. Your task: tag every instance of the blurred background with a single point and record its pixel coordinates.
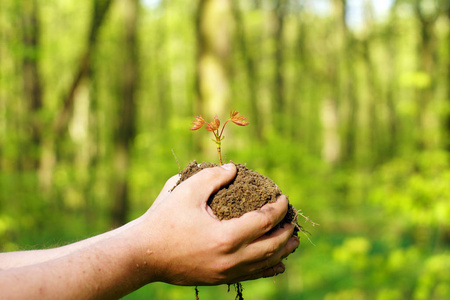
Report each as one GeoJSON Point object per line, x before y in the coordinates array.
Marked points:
{"type": "Point", "coordinates": [349, 110]}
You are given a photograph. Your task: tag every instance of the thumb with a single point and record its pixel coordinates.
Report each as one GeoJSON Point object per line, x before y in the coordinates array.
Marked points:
{"type": "Point", "coordinates": [209, 180]}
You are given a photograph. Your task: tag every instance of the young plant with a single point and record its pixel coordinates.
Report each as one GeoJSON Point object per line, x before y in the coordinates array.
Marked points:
{"type": "Point", "coordinates": [214, 127]}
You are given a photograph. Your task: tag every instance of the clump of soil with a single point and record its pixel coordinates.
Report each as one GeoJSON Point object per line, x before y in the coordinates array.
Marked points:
{"type": "Point", "coordinates": [248, 191]}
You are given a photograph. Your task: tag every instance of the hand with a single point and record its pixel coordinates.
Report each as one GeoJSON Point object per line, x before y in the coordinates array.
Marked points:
{"type": "Point", "coordinates": [187, 245]}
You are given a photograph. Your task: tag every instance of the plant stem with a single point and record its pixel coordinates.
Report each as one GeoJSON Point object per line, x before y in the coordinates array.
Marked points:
{"type": "Point", "coordinates": [219, 151]}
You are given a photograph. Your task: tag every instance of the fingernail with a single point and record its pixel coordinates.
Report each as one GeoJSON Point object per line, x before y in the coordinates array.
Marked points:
{"type": "Point", "coordinates": [227, 166]}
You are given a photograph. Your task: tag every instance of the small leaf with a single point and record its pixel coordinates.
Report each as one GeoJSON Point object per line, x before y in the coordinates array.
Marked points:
{"type": "Point", "coordinates": [198, 123]}
{"type": "Point", "coordinates": [233, 114]}
{"type": "Point", "coordinates": [213, 125]}
{"type": "Point", "coordinates": [238, 120]}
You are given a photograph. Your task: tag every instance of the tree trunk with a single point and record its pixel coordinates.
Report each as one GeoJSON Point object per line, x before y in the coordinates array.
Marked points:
{"type": "Point", "coordinates": [332, 104]}
{"type": "Point", "coordinates": [164, 111]}
{"type": "Point", "coordinates": [32, 87]}
{"type": "Point", "coordinates": [100, 9]}
{"type": "Point", "coordinates": [391, 88]}
{"type": "Point", "coordinates": [350, 93]}
{"type": "Point", "coordinates": [213, 22]}
{"type": "Point", "coordinates": [447, 119]}
{"type": "Point", "coordinates": [251, 70]}
{"type": "Point", "coordinates": [331, 142]}
{"type": "Point", "coordinates": [302, 68]}
{"type": "Point", "coordinates": [279, 104]}
{"type": "Point", "coordinates": [373, 91]}
{"type": "Point", "coordinates": [127, 114]}
{"type": "Point", "coordinates": [427, 57]}
{"type": "Point", "coordinates": [50, 145]}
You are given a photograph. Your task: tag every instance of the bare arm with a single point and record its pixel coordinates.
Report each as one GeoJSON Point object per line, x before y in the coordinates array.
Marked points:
{"type": "Point", "coordinates": [16, 259]}
{"type": "Point", "coordinates": [177, 241]}
{"type": "Point", "coordinates": [104, 270]}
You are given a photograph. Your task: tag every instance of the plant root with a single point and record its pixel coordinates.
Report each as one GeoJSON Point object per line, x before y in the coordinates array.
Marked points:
{"type": "Point", "coordinates": [196, 293]}
{"type": "Point", "coordinates": [299, 227]}
{"type": "Point", "coordinates": [238, 287]}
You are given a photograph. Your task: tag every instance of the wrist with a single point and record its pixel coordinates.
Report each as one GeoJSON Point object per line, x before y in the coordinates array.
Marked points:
{"type": "Point", "coordinates": [142, 258]}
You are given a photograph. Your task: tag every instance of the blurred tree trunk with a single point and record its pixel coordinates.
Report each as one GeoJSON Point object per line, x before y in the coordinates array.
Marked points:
{"type": "Point", "coordinates": [281, 9]}
{"type": "Point", "coordinates": [446, 11]}
{"type": "Point", "coordinates": [302, 68]}
{"type": "Point", "coordinates": [48, 156]}
{"type": "Point", "coordinates": [94, 145]}
{"type": "Point", "coordinates": [201, 52]}
{"type": "Point", "coordinates": [250, 67]}
{"type": "Point", "coordinates": [213, 21]}
{"type": "Point", "coordinates": [427, 58]}
{"type": "Point", "coordinates": [161, 71]}
{"type": "Point", "coordinates": [373, 87]}
{"type": "Point", "coordinates": [331, 143]}
{"type": "Point", "coordinates": [350, 93]}
{"type": "Point", "coordinates": [391, 86]}
{"type": "Point", "coordinates": [331, 105]}
{"type": "Point", "coordinates": [126, 130]}
{"type": "Point", "coordinates": [100, 9]}
{"type": "Point", "coordinates": [12, 110]}
{"type": "Point", "coordinates": [32, 87]}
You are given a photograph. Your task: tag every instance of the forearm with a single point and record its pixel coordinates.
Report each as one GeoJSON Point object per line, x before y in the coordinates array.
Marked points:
{"type": "Point", "coordinates": [106, 269]}
{"type": "Point", "coordinates": [17, 259]}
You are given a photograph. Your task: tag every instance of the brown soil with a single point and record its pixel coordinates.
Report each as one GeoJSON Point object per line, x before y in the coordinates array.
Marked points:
{"type": "Point", "coordinates": [247, 192]}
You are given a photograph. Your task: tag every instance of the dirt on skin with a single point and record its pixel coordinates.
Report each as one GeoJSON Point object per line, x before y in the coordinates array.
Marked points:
{"type": "Point", "coordinates": [248, 191]}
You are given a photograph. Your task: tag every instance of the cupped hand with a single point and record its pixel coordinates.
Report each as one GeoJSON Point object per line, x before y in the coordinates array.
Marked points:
{"type": "Point", "coordinates": [183, 243]}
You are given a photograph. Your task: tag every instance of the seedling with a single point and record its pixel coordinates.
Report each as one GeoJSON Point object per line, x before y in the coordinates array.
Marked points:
{"type": "Point", "coordinates": [245, 188]}
{"type": "Point", "coordinates": [214, 127]}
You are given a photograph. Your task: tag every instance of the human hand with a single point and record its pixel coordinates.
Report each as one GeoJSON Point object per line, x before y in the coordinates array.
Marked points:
{"type": "Point", "coordinates": [183, 242]}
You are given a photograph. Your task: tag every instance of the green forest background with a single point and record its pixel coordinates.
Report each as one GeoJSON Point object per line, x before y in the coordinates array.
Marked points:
{"type": "Point", "coordinates": [349, 111]}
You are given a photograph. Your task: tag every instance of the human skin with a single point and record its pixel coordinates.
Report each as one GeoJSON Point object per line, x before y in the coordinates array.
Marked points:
{"type": "Point", "coordinates": [177, 241]}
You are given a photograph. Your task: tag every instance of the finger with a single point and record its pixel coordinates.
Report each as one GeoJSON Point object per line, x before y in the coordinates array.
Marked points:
{"type": "Point", "coordinates": [255, 224]}
{"type": "Point", "coordinates": [277, 257]}
{"type": "Point", "coordinates": [268, 246]}
{"type": "Point", "coordinates": [207, 181]}
{"type": "Point", "coordinates": [291, 246]}
{"type": "Point", "coordinates": [268, 272]}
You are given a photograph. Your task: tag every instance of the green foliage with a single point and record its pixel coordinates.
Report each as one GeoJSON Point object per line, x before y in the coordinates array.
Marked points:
{"type": "Point", "coordinates": [417, 188]}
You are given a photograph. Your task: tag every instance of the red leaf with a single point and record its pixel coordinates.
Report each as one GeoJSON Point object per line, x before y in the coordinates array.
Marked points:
{"type": "Point", "coordinates": [238, 120]}
{"type": "Point", "coordinates": [198, 123]}
{"type": "Point", "coordinates": [213, 125]}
